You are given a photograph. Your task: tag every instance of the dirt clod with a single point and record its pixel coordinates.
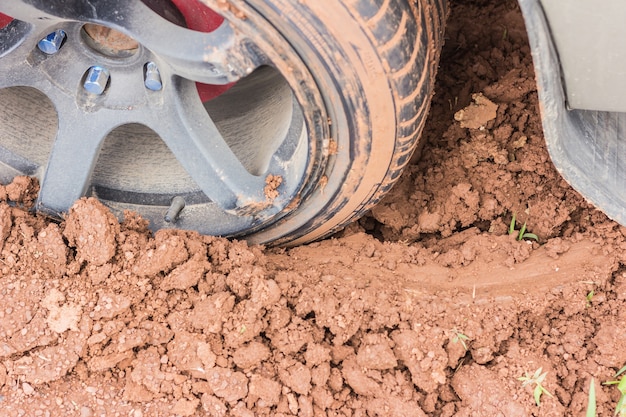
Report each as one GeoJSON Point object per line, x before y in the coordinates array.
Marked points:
{"type": "Point", "coordinates": [91, 228]}
{"type": "Point", "coordinates": [477, 114]}
{"type": "Point", "coordinates": [272, 182]}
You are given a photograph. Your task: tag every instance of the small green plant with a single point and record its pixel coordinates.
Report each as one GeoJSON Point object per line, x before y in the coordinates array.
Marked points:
{"type": "Point", "coordinates": [537, 379]}
{"type": "Point", "coordinates": [460, 337]}
{"type": "Point", "coordinates": [591, 403]}
{"type": "Point", "coordinates": [521, 234]}
{"type": "Point", "coordinates": [620, 409]}
{"type": "Point", "coordinates": [589, 297]}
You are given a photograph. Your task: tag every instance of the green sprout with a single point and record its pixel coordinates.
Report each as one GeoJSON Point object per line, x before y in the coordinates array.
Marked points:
{"type": "Point", "coordinates": [512, 225]}
{"type": "Point", "coordinates": [620, 408]}
{"type": "Point", "coordinates": [521, 235]}
{"type": "Point", "coordinates": [589, 297]}
{"type": "Point", "coordinates": [537, 379]}
{"type": "Point", "coordinates": [591, 403]}
{"type": "Point", "coordinates": [460, 337]}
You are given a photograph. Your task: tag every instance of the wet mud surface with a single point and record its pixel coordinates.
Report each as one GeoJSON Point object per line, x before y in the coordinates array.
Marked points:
{"type": "Point", "coordinates": [425, 307]}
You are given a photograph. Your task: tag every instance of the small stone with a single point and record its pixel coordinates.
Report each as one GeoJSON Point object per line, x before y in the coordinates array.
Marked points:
{"type": "Point", "coordinates": [27, 388]}
{"type": "Point", "coordinates": [85, 412]}
{"type": "Point", "coordinates": [184, 407]}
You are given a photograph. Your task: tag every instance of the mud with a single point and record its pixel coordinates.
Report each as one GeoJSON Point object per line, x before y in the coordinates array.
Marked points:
{"type": "Point", "coordinates": [426, 306]}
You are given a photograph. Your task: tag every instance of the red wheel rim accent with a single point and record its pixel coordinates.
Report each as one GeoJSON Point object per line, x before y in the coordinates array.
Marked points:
{"type": "Point", "coordinates": [5, 20]}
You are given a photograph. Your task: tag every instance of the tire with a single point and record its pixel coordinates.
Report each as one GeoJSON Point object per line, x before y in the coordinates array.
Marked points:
{"type": "Point", "coordinates": [327, 103]}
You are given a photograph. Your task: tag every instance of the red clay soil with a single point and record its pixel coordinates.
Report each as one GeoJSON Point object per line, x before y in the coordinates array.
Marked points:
{"type": "Point", "coordinates": [427, 306]}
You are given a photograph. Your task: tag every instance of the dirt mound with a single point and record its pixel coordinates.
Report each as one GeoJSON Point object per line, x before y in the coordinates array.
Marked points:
{"type": "Point", "coordinates": [493, 162]}
{"type": "Point", "coordinates": [427, 306]}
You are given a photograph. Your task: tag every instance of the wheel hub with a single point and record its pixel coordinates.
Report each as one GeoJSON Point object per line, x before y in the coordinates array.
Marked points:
{"type": "Point", "coordinates": [110, 42]}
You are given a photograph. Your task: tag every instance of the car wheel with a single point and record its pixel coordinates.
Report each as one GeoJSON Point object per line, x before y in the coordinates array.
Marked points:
{"type": "Point", "coordinates": [270, 120]}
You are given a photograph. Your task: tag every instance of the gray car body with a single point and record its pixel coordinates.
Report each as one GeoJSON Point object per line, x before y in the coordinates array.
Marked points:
{"type": "Point", "coordinates": [579, 63]}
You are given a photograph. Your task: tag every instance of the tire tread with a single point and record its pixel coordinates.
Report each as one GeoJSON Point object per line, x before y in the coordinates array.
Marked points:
{"type": "Point", "coordinates": [410, 51]}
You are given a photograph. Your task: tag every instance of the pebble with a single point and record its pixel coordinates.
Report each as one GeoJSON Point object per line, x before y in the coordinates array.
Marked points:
{"type": "Point", "coordinates": [27, 388]}
{"type": "Point", "coordinates": [85, 412]}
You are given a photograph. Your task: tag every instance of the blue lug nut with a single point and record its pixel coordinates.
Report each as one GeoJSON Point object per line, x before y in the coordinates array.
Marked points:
{"type": "Point", "coordinates": [52, 42]}
{"type": "Point", "coordinates": [153, 77]}
{"type": "Point", "coordinates": [96, 80]}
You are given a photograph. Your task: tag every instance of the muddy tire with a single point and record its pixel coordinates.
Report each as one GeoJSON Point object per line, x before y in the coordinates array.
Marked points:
{"type": "Point", "coordinates": [327, 103]}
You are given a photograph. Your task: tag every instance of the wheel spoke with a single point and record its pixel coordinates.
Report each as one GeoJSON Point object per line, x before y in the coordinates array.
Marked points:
{"type": "Point", "coordinates": [16, 43]}
{"type": "Point", "coordinates": [198, 145]}
{"type": "Point", "coordinates": [219, 57]}
{"type": "Point", "coordinates": [71, 162]}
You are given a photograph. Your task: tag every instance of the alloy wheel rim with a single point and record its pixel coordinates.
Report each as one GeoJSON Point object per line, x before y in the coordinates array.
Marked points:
{"type": "Point", "coordinates": [242, 184]}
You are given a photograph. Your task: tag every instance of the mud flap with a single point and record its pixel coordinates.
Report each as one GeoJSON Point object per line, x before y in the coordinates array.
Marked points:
{"type": "Point", "coordinates": [587, 147]}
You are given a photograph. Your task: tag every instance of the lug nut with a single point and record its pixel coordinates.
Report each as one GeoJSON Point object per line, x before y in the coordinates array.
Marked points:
{"type": "Point", "coordinates": [52, 43]}
{"type": "Point", "coordinates": [153, 77]}
{"type": "Point", "coordinates": [96, 80]}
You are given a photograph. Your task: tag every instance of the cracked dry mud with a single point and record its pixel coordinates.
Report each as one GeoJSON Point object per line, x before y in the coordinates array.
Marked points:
{"type": "Point", "coordinates": [99, 318]}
